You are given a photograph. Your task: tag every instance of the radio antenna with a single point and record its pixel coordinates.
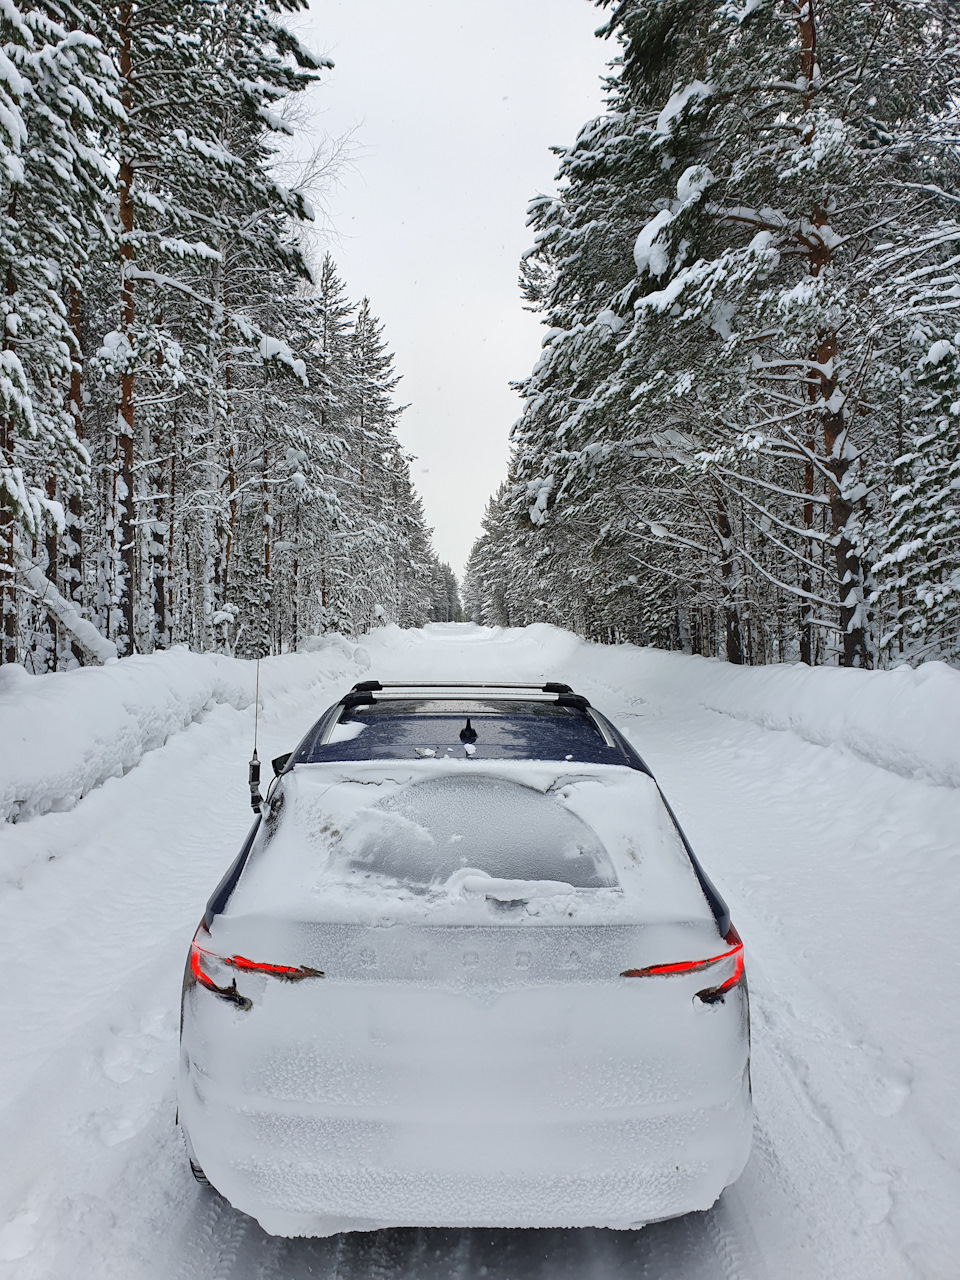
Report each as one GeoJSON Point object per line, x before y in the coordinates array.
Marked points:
{"type": "Point", "coordinates": [256, 709]}
{"type": "Point", "coordinates": [256, 799]}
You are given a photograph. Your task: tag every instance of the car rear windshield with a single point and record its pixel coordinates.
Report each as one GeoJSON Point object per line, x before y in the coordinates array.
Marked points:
{"type": "Point", "coordinates": [431, 830]}
{"type": "Point", "coordinates": [403, 729]}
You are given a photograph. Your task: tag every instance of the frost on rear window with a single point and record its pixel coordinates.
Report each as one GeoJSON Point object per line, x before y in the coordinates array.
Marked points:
{"type": "Point", "coordinates": [427, 832]}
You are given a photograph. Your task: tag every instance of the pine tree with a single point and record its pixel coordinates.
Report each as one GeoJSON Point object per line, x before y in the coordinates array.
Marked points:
{"type": "Point", "coordinates": [920, 569]}
{"type": "Point", "coordinates": [58, 111]}
{"type": "Point", "coordinates": [220, 429]}
{"type": "Point", "coordinates": [715, 413]}
{"type": "Point", "coordinates": [200, 220]}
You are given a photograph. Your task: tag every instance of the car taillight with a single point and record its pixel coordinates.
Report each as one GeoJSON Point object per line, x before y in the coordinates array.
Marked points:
{"type": "Point", "coordinates": [729, 965]}
{"type": "Point", "coordinates": [212, 971]}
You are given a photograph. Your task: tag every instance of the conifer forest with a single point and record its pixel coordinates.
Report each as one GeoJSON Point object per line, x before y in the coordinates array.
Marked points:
{"type": "Point", "coordinates": [197, 437]}
{"type": "Point", "coordinates": [741, 438]}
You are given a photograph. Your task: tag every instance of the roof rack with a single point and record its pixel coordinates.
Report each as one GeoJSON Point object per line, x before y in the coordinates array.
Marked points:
{"type": "Point", "coordinates": [362, 694]}
{"type": "Point", "coordinates": [374, 686]}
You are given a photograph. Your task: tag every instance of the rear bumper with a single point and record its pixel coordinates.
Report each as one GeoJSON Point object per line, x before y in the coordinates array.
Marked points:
{"type": "Point", "coordinates": [544, 1107]}
{"type": "Point", "coordinates": [653, 1170]}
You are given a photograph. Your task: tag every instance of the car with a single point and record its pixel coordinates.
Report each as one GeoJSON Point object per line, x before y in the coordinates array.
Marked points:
{"type": "Point", "coordinates": [465, 971]}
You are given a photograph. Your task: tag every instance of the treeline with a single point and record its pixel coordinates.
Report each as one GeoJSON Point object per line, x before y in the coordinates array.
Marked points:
{"type": "Point", "coordinates": [197, 436]}
{"type": "Point", "coordinates": [742, 435]}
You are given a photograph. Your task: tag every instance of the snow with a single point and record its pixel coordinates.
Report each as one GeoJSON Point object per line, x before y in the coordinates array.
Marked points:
{"type": "Point", "coordinates": [373, 839]}
{"type": "Point", "coordinates": [87, 635]}
{"type": "Point", "coordinates": [276, 349]}
{"type": "Point", "coordinates": [739, 10]}
{"type": "Point", "coordinates": [66, 733]}
{"type": "Point", "coordinates": [115, 350]}
{"type": "Point", "coordinates": [610, 318]}
{"type": "Point", "coordinates": [693, 182]}
{"type": "Point", "coordinates": [647, 253]}
{"type": "Point", "coordinates": [904, 721]}
{"type": "Point", "coordinates": [823, 803]}
{"type": "Point", "coordinates": [939, 351]}
{"type": "Point", "coordinates": [678, 100]}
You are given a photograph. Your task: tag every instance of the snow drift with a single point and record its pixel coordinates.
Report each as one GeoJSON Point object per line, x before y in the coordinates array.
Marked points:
{"type": "Point", "coordinates": [65, 733]}
{"type": "Point", "coordinates": [903, 720]}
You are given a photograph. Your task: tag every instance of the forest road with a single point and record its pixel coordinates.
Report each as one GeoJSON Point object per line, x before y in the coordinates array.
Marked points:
{"type": "Point", "coordinates": [855, 1170]}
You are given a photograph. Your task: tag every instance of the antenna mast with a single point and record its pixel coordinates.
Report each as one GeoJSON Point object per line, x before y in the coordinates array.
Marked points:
{"type": "Point", "coordinates": [256, 799]}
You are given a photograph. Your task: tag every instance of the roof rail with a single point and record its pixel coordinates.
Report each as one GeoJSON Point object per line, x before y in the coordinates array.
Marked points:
{"type": "Point", "coordinates": [362, 693]}
{"type": "Point", "coordinates": [374, 686]}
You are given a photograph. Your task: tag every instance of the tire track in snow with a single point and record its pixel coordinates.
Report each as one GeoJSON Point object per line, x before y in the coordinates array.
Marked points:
{"type": "Point", "coordinates": [821, 1074]}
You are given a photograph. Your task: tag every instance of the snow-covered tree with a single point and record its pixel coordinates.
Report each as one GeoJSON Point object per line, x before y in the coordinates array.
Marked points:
{"type": "Point", "coordinates": [197, 441]}
{"type": "Point", "coordinates": [445, 603]}
{"type": "Point", "coordinates": [58, 109]}
{"type": "Point", "coordinates": [737, 276]}
{"type": "Point", "coordinates": [919, 571]}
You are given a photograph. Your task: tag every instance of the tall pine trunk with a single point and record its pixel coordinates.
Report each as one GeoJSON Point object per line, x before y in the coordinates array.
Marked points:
{"type": "Point", "coordinates": [854, 647]}
{"type": "Point", "coordinates": [52, 547]}
{"type": "Point", "coordinates": [8, 523]}
{"type": "Point", "coordinates": [73, 543]}
{"type": "Point", "coordinates": [806, 581]}
{"type": "Point", "coordinates": [731, 618]}
{"type": "Point", "coordinates": [122, 522]}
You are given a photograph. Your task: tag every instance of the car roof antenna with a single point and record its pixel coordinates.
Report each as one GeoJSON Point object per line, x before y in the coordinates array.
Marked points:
{"type": "Point", "coordinates": [468, 733]}
{"type": "Point", "coordinates": [256, 799]}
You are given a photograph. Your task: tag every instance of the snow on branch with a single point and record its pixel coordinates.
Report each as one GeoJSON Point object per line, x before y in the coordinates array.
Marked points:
{"type": "Point", "coordinates": [84, 632]}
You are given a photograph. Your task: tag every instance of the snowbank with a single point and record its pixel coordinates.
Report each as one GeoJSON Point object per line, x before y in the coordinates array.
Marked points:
{"type": "Point", "coordinates": [906, 720]}
{"type": "Point", "coordinates": [68, 732]}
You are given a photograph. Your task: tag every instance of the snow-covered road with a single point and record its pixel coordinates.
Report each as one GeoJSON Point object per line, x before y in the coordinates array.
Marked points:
{"type": "Point", "coordinates": [843, 875]}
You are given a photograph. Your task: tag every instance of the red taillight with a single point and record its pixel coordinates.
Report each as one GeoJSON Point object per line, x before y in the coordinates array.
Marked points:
{"type": "Point", "coordinates": [709, 994]}
{"type": "Point", "coordinates": [204, 964]}
{"type": "Point", "coordinates": [275, 970]}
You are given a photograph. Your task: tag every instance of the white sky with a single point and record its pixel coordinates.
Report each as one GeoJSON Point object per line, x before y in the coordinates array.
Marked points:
{"type": "Point", "coordinates": [455, 104]}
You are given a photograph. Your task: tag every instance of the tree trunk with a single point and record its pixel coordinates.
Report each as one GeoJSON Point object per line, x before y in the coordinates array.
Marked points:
{"type": "Point", "coordinates": [231, 476]}
{"type": "Point", "coordinates": [731, 616]}
{"type": "Point", "coordinates": [170, 557]}
{"type": "Point", "coordinates": [806, 583]}
{"type": "Point", "coordinates": [821, 385]}
{"type": "Point", "coordinates": [124, 535]}
{"type": "Point", "coordinates": [855, 651]}
{"type": "Point", "coordinates": [295, 584]}
{"type": "Point", "coordinates": [49, 621]}
{"type": "Point", "coordinates": [8, 524]}
{"type": "Point", "coordinates": [73, 547]}
{"type": "Point", "coordinates": [8, 596]}
{"type": "Point", "coordinates": [807, 21]}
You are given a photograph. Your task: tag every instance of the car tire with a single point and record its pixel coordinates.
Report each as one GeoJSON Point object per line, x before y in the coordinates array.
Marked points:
{"type": "Point", "coordinates": [195, 1168]}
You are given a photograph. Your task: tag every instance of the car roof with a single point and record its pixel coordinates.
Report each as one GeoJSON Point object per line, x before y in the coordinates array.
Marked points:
{"type": "Point", "coordinates": [404, 719]}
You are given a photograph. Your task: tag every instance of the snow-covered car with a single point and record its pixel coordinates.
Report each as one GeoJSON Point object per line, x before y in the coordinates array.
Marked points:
{"type": "Point", "coordinates": [466, 971]}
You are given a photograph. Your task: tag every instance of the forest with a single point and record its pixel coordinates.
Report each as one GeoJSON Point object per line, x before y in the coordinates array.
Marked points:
{"type": "Point", "coordinates": [741, 436]}
{"type": "Point", "coordinates": [197, 424]}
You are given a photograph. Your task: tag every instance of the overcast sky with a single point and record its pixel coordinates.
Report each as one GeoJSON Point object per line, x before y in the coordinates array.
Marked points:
{"type": "Point", "coordinates": [455, 104]}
